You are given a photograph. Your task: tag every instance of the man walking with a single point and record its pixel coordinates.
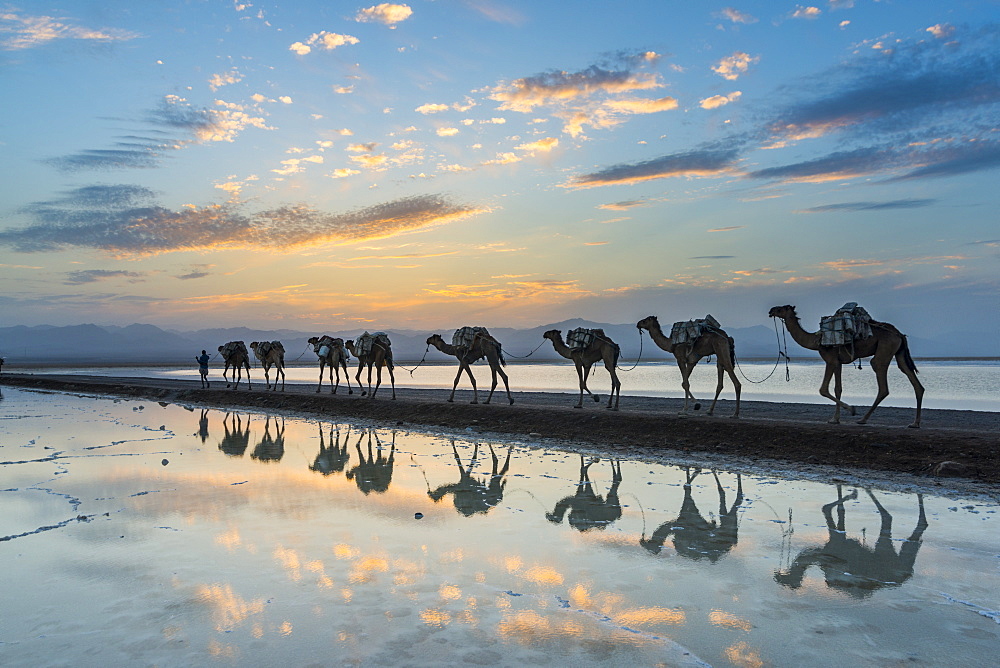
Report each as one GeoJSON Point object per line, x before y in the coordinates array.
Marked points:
{"type": "Point", "coordinates": [203, 368]}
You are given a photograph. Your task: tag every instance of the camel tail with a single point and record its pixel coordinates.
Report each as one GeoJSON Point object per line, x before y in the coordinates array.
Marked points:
{"type": "Point", "coordinates": [732, 349]}
{"type": "Point", "coordinates": [905, 349]}
{"type": "Point", "coordinates": [503, 362]}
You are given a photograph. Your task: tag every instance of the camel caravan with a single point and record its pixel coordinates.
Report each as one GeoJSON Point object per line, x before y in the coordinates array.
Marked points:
{"type": "Point", "coordinates": [849, 335]}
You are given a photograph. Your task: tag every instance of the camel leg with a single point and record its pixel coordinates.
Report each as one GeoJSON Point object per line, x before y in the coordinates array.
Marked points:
{"type": "Point", "coordinates": [472, 379]}
{"type": "Point", "coordinates": [737, 386]}
{"type": "Point", "coordinates": [493, 372]}
{"type": "Point", "coordinates": [378, 378]}
{"type": "Point", "coordinates": [357, 377]}
{"type": "Point", "coordinates": [686, 385]}
{"type": "Point", "coordinates": [583, 384]}
{"type": "Point", "coordinates": [881, 370]}
{"type": "Point", "coordinates": [454, 385]}
{"type": "Point", "coordinates": [347, 375]}
{"type": "Point", "coordinates": [280, 368]}
{"type": "Point", "coordinates": [505, 384]}
{"type": "Point", "coordinates": [392, 380]}
{"type": "Point", "coordinates": [833, 368]}
{"type": "Point", "coordinates": [718, 385]}
{"type": "Point", "coordinates": [616, 386]}
{"type": "Point", "coordinates": [320, 386]}
{"type": "Point", "coordinates": [586, 375]}
{"type": "Point", "coordinates": [918, 388]}
{"type": "Point", "coordinates": [370, 395]}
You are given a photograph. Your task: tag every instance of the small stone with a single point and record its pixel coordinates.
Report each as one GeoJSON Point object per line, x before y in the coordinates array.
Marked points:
{"type": "Point", "coordinates": [165, 462]}
{"type": "Point", "coordinates": [418, 516]}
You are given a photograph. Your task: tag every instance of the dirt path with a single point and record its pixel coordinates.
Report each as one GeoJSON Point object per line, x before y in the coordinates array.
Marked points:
{"type": "Point", "coordinates": [787, 433]}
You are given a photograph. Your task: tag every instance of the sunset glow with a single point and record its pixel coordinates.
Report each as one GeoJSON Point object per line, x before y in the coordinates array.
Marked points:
{"type": "Point", "coordinates": [428, 165]}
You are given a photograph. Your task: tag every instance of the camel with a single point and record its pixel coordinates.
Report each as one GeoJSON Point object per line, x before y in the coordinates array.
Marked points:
{"type": "Point", "coordinates": [470, 495]}
{"type": "Point", "coordinates": [711, 342]}
{"type": "Point", "coordinates": [373, 474]}
{"type": "Point", "coordinates": [333, 458]}
{"type": "Point", "coordinates": [694, 536]}
{"type": "Point", "coordinates": [271, 449]}
{"type": "Point", "coordinates": [331, 352]}
{"type": "Point", "coordinates": [587, 509]}
{"type": "Point", "coordinates": [601, 348]}
{"type": "Point", "coordinates": [483, 345]}
{"type": "Point", "coordinates": [271, 353]}
{"type": "Point", "coordinates": [379, 354]}
{"type": "Point", "coordinates": [235, 355]}
{"type": "Point", "coordinates": [851, 566]}
{"type": "Point", "coordinates": [885, 343]}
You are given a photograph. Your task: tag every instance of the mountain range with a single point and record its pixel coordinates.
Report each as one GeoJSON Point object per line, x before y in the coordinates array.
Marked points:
{"type": "Point", "coordinates": [148, 344]}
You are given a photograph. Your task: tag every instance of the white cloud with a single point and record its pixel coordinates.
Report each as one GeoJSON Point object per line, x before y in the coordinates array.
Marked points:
{"type": "Point", "coordinates": [447, 132]}
{"type": "Point", "coordinates": [806, 12]}
{"type": "Point", "coordinates": [731, 67]}
{"type": "Point", "coordinates": [431, 108]}
{"type": "Point", "coordinates": [717, 101]}
{"type": "Point", "coordinates": [942, 30]}
{"type": "Point", "coordinates": [31, 31]}
{"type": "Point", "coordinates": [385, 13]}
{"type": "Point", "coordinates": [328, 41]}
{"type": "Point", "coordinates": [217, 81]}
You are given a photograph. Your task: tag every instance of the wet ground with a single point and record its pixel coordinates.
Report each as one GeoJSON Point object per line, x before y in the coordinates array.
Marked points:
{"type": "Point", "coordinates": [163, 532]}
{"type": "Point", "coordinates": [783, 433]}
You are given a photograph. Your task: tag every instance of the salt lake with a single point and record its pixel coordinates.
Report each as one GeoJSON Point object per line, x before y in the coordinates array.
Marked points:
{"type": "Point", "coordinates": [139, 533]}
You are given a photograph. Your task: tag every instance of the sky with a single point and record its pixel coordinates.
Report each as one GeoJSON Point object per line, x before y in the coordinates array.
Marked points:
{"type": "Point", "coordinates": [339, 166]}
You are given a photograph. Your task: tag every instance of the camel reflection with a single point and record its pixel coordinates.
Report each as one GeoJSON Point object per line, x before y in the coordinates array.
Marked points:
{"type": "Point", "coordinates": [334, 458]}
{"type": "Point", "coordinates": [203, 425]}
{"type": "Point", "coordinates": [236, 440]}
{"type": "Point", "coordinates": [694, 536]}
{"type": "Point", "coordinates": [374, 472]}
{"type": "Point", "coordinates": [271, 449]}
{"type": "Point", "coordinates": [852, 567]}
{"type": "Point", "coordinates": [587, 509]}
{"type": "Point", "coordinates": [470, 495]}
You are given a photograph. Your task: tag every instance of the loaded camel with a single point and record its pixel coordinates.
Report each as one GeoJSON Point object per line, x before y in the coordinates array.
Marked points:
{"type": "Point", "coordinates": [600, 348]}
{"type": "Point", "coordinates": [236, 356]}
{"type": "Point", "coordinates": [271, 353]}
{"type": "Point", "coordinates": [373, 350]}
{"type": "Point", "coordinates": [885, 343]}
{"type": "Point", "coordinates": [483, 345]}
{"type": "Point", "coordinates": [713, 341]}
{"type": "Point", "coordinates": [331, 352]}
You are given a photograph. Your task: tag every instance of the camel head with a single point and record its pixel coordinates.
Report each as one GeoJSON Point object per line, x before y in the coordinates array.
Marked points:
{"type": "Point", "coordinates": [313, 340]}
{"type": "Point", "coordinates": [253, 346]}
{"type": "Point", "coordinates": [220, 348]}
{"type": "Point", "coordinates": [434, 339]}
{"type": "Point", "coordinates": [648, 322]}
{"type": "Point", "coordinates": [552, 335]}
{"type": "Point", "coordinates": [786, 311]}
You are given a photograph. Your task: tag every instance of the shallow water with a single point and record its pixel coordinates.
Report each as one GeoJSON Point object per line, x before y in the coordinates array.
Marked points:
{"type": "Point", "coordinates": [962, 385]}
{"type": "Point", "coordinates": [140, 534]}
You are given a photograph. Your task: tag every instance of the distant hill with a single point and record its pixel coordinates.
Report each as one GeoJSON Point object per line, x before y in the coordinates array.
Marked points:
{"type": "Point", "coordinates": [148, 344]}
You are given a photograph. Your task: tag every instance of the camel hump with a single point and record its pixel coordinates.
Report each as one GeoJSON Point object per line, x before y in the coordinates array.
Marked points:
{"type": "Point", "coordinates": [581, 337]}
{"type": "Point", "coordinates": [465, 337]}
{"type": "Point", "coordinates": [276, 345]}
{"type": "Point", "coordinates": [849, 324]}
{"type": "Point", "coordinates": [685, 331]}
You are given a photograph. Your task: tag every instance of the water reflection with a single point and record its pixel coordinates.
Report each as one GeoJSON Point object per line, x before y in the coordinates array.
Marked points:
{"type": "Point", "coordinates": [374, 472]}
{"type": "Point", "coordinates": [470, 495]}
{"type": "Point", "coordinates": [333, 458]}
{"type": "Point", "coordinates": [587, 509]}
{"type": "Point", "coordinates": [694, 536]}
{"type": "Point", "coordinates": [849, 565]}
{"type": "Point", "coordinates": [203, 425]}
{"type": "Point", "coordinates": [271, 448]}
{"type": "Point", "coordinates": [237, 437]}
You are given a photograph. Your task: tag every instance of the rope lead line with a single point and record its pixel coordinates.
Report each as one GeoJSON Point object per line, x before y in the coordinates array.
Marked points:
{"type": "Point", "coordinates": [637, 359]}
{"type": "Point", "coordinates": [781, 354]}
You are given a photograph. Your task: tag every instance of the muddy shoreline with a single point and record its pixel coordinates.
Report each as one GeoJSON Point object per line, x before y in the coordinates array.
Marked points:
{"type": "Point", "coordinates": [767, 434]}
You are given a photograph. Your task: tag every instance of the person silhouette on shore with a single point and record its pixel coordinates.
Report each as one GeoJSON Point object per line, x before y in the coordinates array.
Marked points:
{"type": "Point", "coordinates": [852, 567]}
{"type": "Point", "coordinates": [203, 368]}
{"type": "Point", "coordinates": [587, 509]}
{"type": "Point", "coordinates": [694, 536]}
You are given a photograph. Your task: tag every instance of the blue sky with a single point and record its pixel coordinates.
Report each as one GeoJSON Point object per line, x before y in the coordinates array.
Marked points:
{"type": "Point", "coordinates": [339, 166]}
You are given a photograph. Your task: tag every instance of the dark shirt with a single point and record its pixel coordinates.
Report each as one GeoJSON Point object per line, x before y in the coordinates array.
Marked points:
{"type": "Point", "coordinates": [203, 362]}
